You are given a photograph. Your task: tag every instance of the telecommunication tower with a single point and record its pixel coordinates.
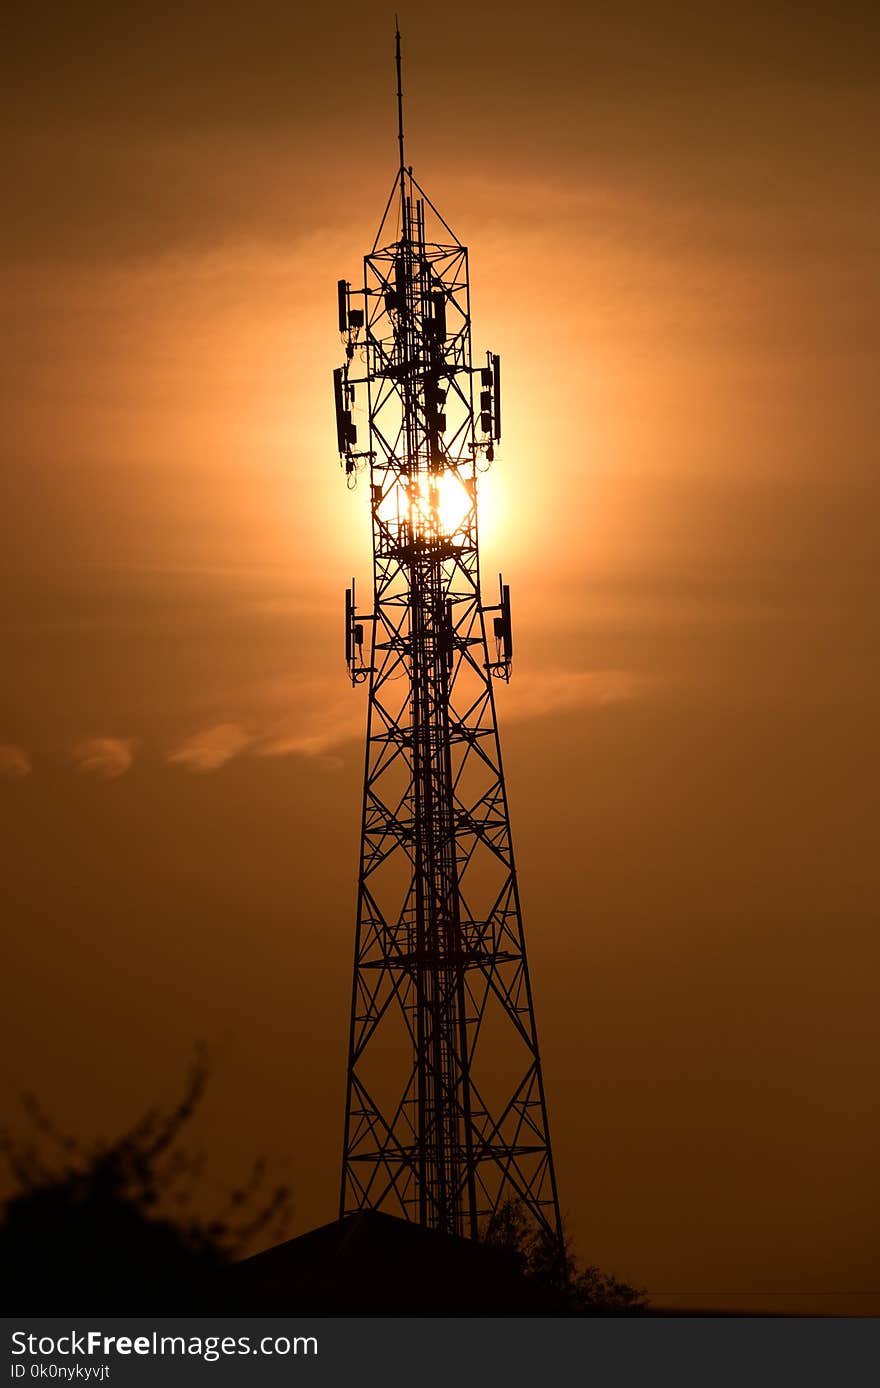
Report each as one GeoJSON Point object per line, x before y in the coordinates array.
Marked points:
{"type": "Point", "coordinates": [445, 1116]}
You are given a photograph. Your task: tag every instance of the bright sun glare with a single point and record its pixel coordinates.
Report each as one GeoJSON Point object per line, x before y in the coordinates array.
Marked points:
{"type": "Point", "coordinates": [440, 504]}
{"type": "Point", "coordinates": [437, 505]}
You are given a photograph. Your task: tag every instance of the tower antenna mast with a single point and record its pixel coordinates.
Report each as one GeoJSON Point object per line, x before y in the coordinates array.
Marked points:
{"type": "Point", "coordinates": [397, 60]}
{"type": "Point", "coordinates": [445, 1114]}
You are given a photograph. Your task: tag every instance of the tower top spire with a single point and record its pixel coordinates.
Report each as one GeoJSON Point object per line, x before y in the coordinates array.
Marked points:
{"type": "Point", "coordinates": [397, 61]}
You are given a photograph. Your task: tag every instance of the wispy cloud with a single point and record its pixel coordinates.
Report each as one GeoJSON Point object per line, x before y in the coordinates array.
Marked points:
{"type": "Point", "coordinates": [296, 715]}
{"type": "Point", "coordinates": [15, 763]}
{"type": "Point", "coordinates": [314, 732]}
{"type": "Point", "coordinates": [106, 757]}
{"type": "Point", "coordinates": [555, 690]}
{"type": "Point", "coordinates": [291, 716]}
{"type": "Point", "coordinates": [211, 748]}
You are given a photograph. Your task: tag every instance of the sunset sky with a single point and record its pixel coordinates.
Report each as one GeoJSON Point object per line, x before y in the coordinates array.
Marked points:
{"type": "Point", "coordinates": [673, 215]}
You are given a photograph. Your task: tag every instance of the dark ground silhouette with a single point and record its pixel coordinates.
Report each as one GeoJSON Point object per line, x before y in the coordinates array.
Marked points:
{"type": "Point", "coordinates": [110, 1227]}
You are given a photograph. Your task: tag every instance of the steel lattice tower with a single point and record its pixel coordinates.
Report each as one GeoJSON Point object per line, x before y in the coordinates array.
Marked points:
{"type": "Point", "coordinates": [445, 1116]}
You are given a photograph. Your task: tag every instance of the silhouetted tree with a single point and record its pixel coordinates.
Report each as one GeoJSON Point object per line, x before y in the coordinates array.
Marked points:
{"type": "Point", "coordinates": [91, 1227]}
{"type": "Point", "coordinates": [539, 1256]}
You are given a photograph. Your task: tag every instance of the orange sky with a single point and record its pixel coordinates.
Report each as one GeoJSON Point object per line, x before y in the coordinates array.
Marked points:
{"type": "Point", "coordinates": [673, 223]}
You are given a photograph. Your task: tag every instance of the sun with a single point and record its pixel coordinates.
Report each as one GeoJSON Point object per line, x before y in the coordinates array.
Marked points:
{"type": "Point", "coordinates": [441, 504]}
{"type": "Point", "coordinates": [438, 505]}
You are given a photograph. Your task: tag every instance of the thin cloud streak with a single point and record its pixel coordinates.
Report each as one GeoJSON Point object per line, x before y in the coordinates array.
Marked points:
{"type": "Point", "coordinates": [212, 748]}
{"type": "Point", "coordinates": [555, 690]}
{"type": "Point", "coordinates": [15, 763]}
{"type": "Point", "coordinates": [319, 723]}
{"type": "Point", "coordinates": [105, 757]}
{"type": "Point", "coordinates": [315, 731]}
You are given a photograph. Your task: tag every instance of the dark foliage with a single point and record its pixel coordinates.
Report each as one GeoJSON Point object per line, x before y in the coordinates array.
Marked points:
{"type": "Point", "coordinates": [109, 1226]}
{"type": "Point", "coordinates": [538, 1256]}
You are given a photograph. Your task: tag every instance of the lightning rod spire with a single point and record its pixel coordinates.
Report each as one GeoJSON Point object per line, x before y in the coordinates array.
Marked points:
{"type": "Point", "coordinates": [397, 61]}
